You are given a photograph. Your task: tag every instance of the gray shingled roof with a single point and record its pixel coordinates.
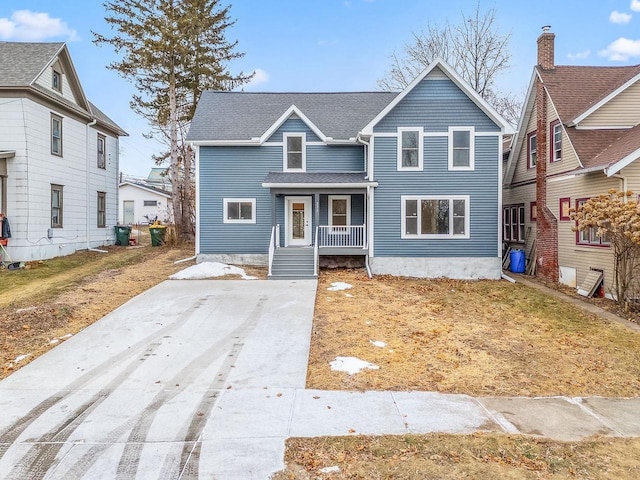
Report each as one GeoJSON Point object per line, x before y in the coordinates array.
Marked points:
{"type": "Point", "coordinates": [246, 115]}
{"type": "Point", "coordinates": [304, 177]}
{"type": "Point", "coordinates": [22, 62]}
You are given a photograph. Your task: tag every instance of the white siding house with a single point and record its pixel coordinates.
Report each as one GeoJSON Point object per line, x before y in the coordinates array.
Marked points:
{"type": "Point", "coordinates": [141, 203]}
{"type": "Point", "coordinates": [58, 156]}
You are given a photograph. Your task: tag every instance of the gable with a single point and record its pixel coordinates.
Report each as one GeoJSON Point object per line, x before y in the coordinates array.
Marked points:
{"type": "Point", "coordinates": [294, 124]}
{"type": "Point", "coordinates": [436, 103]}
{"type": "Point", "coordinates": [623, 110]}
{"type": "Point", "coordinates": [67, 90]}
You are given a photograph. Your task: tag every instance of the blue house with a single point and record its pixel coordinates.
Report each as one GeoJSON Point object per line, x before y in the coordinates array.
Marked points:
{"type": "Point", "coordinates": [409, 181]}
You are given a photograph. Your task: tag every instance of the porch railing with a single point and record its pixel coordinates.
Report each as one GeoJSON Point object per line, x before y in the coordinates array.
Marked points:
{"type": "Point", "coordinates": [274, 242]}
{"type": "Point", "coordinates": [350, 236]}
{"type": "Point", "coordinates": [315, 255]}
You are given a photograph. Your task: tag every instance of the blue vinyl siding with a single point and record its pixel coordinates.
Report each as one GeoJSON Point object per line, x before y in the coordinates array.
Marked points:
{"type": "Point", "coordinates": [335, 158]}
{"type": "Point", "coordinates": [228, 172]}
{"type": "Point", "coordinates": [480, 184]}
{"type": "Point", "coordinates": [293, 125]}
{"type": "Point", "coordinates": [436, 105]}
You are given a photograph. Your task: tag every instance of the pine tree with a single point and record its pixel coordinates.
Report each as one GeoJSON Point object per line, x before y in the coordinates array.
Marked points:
{"type": "Point", "coordinates": [172, 50]}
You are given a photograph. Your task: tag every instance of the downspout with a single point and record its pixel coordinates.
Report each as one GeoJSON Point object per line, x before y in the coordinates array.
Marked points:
{"type": "Point", "coordinates": [88, 126]}
{"type": "Point", "coordinates": [624, 181]}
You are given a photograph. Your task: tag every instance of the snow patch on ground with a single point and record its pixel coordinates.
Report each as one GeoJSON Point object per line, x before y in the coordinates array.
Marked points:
{"type": "Point", "coordinates": [351, 365]}
{"type": "Point", "coordinates": [210, 269]}
{"type": "Point", "coordinates": [19, 358]}
{"type": "Point", "coordinates": [334, 469]}
{"type": "Point", "coordinates": [335, 286]}
{"type": "Point", "coordinates": [378, 343]}
{"type": "Point", "coordinates": [348, 295]}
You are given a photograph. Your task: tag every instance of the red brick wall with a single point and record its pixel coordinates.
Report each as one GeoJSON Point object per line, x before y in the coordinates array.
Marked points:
{"type": "Point", "coordinates": [546, 58]}
{"type": "Point", "coordinates": [547, 224]}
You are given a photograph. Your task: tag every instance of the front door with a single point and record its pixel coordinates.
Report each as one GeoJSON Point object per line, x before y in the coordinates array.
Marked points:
{"type": "Point", "coordinates": [298, 224]}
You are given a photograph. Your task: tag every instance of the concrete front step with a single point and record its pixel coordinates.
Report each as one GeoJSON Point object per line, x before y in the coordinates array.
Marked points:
{"type": "Point", "coordinates": [293, 263]}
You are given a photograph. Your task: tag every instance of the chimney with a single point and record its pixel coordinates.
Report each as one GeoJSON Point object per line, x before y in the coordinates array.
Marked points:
{"type": "Point", "coordinates": [545, 49]}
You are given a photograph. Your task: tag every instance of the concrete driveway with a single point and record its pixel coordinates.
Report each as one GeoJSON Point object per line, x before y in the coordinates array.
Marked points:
{"type": "Point", "coordinates": [144, 392]}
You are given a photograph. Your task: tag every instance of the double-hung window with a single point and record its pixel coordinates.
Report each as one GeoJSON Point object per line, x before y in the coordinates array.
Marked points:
{"type": "Point", "coordinates": [56, 135]}
{"type": "Point", "coordinates": [409, 149]}
{"type": "Point", "coordinates": [102, 209]}
{"type": "Point", "coordinates": [339, 212]}
{"type": "Point", "coordinates": [102, 141]}
{"type": "Point", "coordinates": [555, 133]}
{"type": "Point", "coordinates": [532, 150]}
{"type": "Point", "coordinates": [435, 217]}
{"type": "Point", "coordinates": [589, 236]}
{"type": "Point", "coordinates": [513, 223]}
{"type": "Point", "coordinates": [56, 206]}
{"type": "Point", "coordinates": [461, 148]}
{"type": "Point", "coordinates": [239, 210]}
{"type": "Point", "coordinates": [56, 80]}
{"type": "Point", "coordinates": [294, 147]}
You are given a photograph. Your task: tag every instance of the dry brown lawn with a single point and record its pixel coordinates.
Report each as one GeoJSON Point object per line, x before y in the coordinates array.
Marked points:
{"type": "Point", "coordinates": [477, 338]}
{"type": "Point", "coordinates": [42, 305]}
{"type": "Point", "coordinates": [444, 456]}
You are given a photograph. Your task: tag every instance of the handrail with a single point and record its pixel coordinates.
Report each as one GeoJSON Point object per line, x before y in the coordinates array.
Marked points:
{"type": "Point", "coordinates": [315, 254]}
{"type": "Point", "coordinates": [350, 236]}
{"type": "Point", "coordinates": [272, 247]}
{"type": "Point", "coordinates": [277, 234]}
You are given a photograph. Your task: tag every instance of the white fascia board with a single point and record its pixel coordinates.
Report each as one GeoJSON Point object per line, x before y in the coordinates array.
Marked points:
{"type": "Point", "coordinates": [620, 164]}
{"type": "Point", "coordinates": [283, 118]}
{"type": "Point", "coordinates": [142, 187]}
{"type": "Point", "coordinates": [224, 143]}
{"type": "Point", "coordinates": [605, 100]}
{"type": "Point", "coordinates": [320, 185]}
{"type": "Point", "coordinates": [453, 76]}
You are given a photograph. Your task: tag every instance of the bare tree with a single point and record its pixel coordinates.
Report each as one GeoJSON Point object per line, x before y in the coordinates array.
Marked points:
{"type": "Point", "coordinates": [475, 48]}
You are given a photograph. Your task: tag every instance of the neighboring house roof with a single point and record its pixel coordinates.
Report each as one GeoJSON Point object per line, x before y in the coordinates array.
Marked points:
{"type": "Point", "coordinates": [575, 92]}
{"type": "Point", "coordinates": [245, 116]}
{"type": "Point", "coordinates": [342, 179]}
{"type": "Point", "coordinates": [148, 188]}
{"type": "Point", "coordinates": [24, 62]}
{"type": "Point", "coordinates": [574, 89]}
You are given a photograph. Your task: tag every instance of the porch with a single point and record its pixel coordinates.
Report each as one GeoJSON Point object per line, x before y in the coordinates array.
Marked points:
{"type": "Point", "coordinates": [316, 214]}
{"type": "Point", "coordinates": [302, 261]}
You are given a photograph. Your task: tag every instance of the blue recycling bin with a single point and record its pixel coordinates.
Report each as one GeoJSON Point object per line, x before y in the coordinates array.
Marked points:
{"type": "Point", "coordinates": [517, 260]}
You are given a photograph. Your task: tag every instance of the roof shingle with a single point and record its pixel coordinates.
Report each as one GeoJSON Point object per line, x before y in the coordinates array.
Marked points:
{"type": "Point", "coordinates": [246, 115]}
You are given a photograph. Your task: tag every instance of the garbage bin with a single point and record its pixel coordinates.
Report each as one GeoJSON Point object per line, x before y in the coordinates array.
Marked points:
{"type": "Point", "coordinates": [157, 234]}
{"type": "Point", "coordinates": [122, 235]}
{"type": "Point", "coordinates": [517, 260]}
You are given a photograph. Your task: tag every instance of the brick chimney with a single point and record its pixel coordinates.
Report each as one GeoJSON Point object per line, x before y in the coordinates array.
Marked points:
{"type": "Point", "coordinates": [546, 224]}
{"type": "Point", "coordinates": [546, 59]}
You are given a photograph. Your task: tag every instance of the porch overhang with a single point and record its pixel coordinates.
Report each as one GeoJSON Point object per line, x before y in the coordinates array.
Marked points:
{"type": "Point", "coordinates": [7, 153]}
{"type": "Point", "coordinates": [305, 180]}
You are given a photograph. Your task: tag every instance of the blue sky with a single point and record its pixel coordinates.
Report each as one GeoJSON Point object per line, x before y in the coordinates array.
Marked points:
{"type": "Point", "coordinates": [329, 45]}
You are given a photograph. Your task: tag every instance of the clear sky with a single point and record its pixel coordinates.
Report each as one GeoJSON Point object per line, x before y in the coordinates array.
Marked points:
{"type": "Point", "coordinates": [328, 45]}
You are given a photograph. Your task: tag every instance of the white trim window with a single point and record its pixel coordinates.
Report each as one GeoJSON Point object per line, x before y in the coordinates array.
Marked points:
{"type": "Point", "coordinates": [461, 148]}
{"type": "Point", "coordinates": [239, 210]}
{"type": "Point", "coordinates": [100, 148]}
{"type": "Point", "coordinates": [339, 213]}
{"type": "Point", "coordinates": [410, 148]}
{"type": "Point", "coordinates": [294, 152]}
{"type": "Point", "coordinates": [435, 216]}
{"type": "Point", "coordinates": [556, 137]}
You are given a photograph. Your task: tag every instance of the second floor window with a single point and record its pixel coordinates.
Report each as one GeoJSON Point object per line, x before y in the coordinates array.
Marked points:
{"type": "Point", "coordinates": [294, 152]}
{"type": "Point", "coordinates": [102, 142]}
{"type": "Point", "coordinates": [461, 148]}
{"type": "Point", "coordinates": [56, 135]}
{"type": "Point", "coordinates": [532, 150]}
{"type": "Point", "coordinates": [556, 141]}
{"type": "Point", "coordinates": [409, 149]}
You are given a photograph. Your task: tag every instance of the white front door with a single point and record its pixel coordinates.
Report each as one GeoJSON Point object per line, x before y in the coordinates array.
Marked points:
{"type": "Point", "coordinates": [298, 221]}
